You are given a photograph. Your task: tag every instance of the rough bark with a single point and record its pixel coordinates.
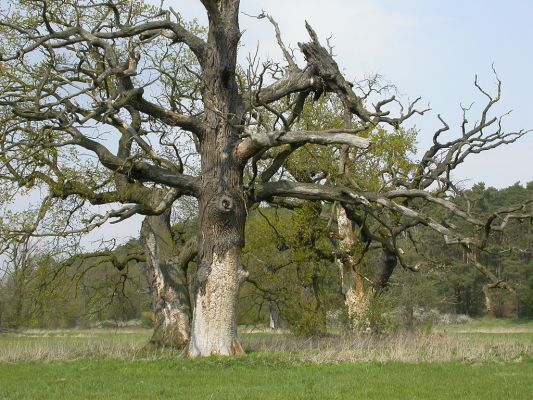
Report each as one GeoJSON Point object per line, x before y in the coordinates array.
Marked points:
{"type": "Point", "coordinates": [168, 284]}
{"type": "Point", "coordinates": [214, 322]}
{"type": "Point", "coordinates": [356, 299]}
{"type": "Point", "coordinates": [221, 204]}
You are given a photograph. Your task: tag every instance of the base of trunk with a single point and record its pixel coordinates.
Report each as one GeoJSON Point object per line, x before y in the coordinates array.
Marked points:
{"type": "Point", "coordinates": [168, 284]}
{"type": "Point", "coordinates": [358, 308]}
{"type": "Point", "coordinates": [221, 349]}
{"type": "Point", "coordinates": [214, 329]}
{"type": "Point", "coordinates": [173, 332]}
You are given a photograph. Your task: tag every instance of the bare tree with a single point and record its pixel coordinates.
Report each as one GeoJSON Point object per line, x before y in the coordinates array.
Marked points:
{"type": "Point", "coordinates": [99, 79]}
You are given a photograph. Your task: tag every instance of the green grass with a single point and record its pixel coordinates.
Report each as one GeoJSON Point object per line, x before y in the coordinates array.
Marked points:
{"type": "Point", "coordinates": [492, 325]}
{"type": "Point", "coordinates": [489, 359]}
{"type": "Point", "coordinates": [263, 377]}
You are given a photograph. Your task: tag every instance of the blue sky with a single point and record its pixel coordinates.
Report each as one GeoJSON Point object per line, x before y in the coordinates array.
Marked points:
{"type": "Point", "coordinates": [426, 48]}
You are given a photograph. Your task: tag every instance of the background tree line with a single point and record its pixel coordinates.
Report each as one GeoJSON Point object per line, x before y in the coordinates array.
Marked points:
{"type": "Point", "coordinates": [293, 279]}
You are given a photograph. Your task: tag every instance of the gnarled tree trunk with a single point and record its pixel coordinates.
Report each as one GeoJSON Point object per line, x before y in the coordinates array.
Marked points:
{"type": "Point", "coordinates": [350, 269]}
{"type": "Point", "coordinates": [356, 299]}
{"type": "Point", "coordinates": [168, 284]}
{"type": "Point", "coordinates": [358, 296]}
{"type": "Point", "coordinates": [221, 204]}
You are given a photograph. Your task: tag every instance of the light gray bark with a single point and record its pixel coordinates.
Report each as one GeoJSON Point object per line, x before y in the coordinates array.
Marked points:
{"type": "Point", "coordinates": [489, 306]}
{"type": "Point", "coordinates": [168, 284]}
{"type": "Point", "coordinates": [214, 323]}
{"type": "Point", "coordinates": [356, 298]}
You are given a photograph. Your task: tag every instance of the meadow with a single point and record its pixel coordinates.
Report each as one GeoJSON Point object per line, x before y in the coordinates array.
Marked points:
{"type": "Point", "coordinates": [489, 359]}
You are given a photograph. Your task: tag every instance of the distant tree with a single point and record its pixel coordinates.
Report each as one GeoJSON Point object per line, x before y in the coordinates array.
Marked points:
{"type": "Point", "coordinates": [290, 265]}
{"type": "Point", "coordinates": [453, 285]}
{"type": "Point", "coordinates": [39, 290]}
{"type": "Point", "coordinates": [508, 256]}
{"type": "Point", "coordinates": [18, 268]}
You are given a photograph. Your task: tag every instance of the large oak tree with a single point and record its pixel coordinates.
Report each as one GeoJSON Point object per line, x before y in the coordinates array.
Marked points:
{"type": "Point", "coordinates": [82, 79]}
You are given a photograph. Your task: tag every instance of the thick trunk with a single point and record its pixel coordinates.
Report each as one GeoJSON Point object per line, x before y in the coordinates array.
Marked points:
{"type": "Point", "coordinates": [221, 237]}
{"type": "Point", "coordinates": [222, 212]}
{"type": "Point", "coordinates": [214, 323]}
{"type": "Point", "coordinates": [356, 299]}
{"type": "Point", "coordinates": [168, 284]}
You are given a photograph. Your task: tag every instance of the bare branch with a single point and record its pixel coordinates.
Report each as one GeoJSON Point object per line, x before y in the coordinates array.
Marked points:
{"type": "Point", "coordinates": [257, 141]}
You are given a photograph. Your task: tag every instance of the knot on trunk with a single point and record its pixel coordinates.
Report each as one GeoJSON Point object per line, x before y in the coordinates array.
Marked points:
{"type": "Point", "coordinates": [225, 204]}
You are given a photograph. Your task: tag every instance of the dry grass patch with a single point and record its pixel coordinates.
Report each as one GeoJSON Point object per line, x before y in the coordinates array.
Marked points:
{"type": "Point", "coordinates": [401, 347]}
{"type": "Point", "coordinates": [59, 345]}
{"type": "Point", "coordinates": [470, 343]}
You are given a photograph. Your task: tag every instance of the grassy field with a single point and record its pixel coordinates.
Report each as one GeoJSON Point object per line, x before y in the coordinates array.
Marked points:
{"type": "Point", "coordinates": [486, 359]}
{"type": "Point", "coordinates": [260, 377]}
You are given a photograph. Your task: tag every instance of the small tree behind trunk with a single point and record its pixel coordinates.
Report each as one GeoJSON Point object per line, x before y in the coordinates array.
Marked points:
{"type": "Point", "coordinates": [168, 284]}
{"type": "Point", "coordinates": [274, 314]}
{"type": "Point", "coordinates": [489, 306]}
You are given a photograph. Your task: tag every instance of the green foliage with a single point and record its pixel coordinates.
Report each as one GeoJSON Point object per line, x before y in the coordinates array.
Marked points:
{"type": "Point", "coordinates": [391, 153]}
{"type": "Point", "coordinates": [446, 282]}
{"type": "Point", "coordinates": [147, 319]}
{"type": "Point", "coordinates": [289, 260]}
{"type": "Point", "coordinates": [77, 292]}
